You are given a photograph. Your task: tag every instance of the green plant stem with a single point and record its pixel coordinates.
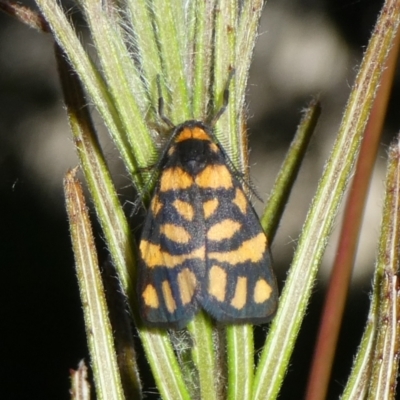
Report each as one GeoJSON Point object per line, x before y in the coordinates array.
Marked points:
{"type": "Point", "coordinates": [204, 356]}
{"type": "Point", "coordinates": [159, 350]}
{"type": "Point", "coordinates": [169, 29]}
{"type": "Point", "coordinates": [202, 48]}
{"type": "Point", "coordinates": [345, 255]}
{"type": "Point", "coordinates": [375, 367]}
{"type": "Point", "coordinates": [289, 170]}
{"type": "Point", "coordinates": [92, 81]}
{"type": "Point", "coordinates": [286, 324]}
{"type": "Point", "coordinates": [240, 361]}
{"type": "Point", "coordinates": [98, 327]}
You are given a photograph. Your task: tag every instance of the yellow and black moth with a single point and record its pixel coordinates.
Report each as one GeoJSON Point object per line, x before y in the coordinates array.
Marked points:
{"type": "Point", "coordinates": [202, 245]}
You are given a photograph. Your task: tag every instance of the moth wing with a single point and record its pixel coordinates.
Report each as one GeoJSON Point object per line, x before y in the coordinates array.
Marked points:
{"type": "Point", "coordinates": [239, 285]}
{"type": "Point", "coordinates": [172, 260]}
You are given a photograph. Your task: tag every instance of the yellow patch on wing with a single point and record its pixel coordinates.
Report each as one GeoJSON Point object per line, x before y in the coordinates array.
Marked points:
{"type": "Point", "coordinates": [239, 299]}
{"type": "Point", "coordinates": [184, 209]}
{"type": "Point", "coordinates": [217, 280]}
{"type": "Point", "coordinates": [223, 230]}
{"type": "Point", "coordinates": [251, 250]}
{"type": "Point", "coordinates": [153, 256]}
{"type": "Point", "coordinates": [176, 233]}
{"type": "Point", "coordinates": [262, 291]}
{"type": "Point", "coordinates": [156, 206]}
{"type": "Point", "coordinates": [171, 151]}
{"type": "Point", "coordinates": [175, 178]}
{"type": "Point", "coordinates": [209, 207]}
{"type": "Point", "coordinates": [150, 297]}
{"type": "Point", "coordinates": [214, 177]}
{"type": "Point", "coordinates": [214, 148]}
{"type": "Point", "coordinates": [187, 283]}
{"type": "Point", "coordinates": [168, 297]}
{"type": "Point", "coordinates": [240, 200]}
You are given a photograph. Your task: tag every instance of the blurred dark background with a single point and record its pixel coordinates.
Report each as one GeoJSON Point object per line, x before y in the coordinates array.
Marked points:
{"type": "Point", "coordinates": [304, 48]}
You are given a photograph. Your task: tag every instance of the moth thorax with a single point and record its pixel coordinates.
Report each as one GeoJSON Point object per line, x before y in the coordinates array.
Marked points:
{"type": "Point", "coordinates": [194, 155]}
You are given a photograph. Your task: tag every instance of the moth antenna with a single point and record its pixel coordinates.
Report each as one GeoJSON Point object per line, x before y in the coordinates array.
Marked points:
{"type": "Point", "coordinates": [225, 102]}
{"type": "Point", "coordinates": [161, 105]}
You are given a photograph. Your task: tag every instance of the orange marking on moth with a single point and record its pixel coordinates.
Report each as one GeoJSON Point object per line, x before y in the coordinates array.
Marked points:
{"type": "Point", "coordinates": [223, 230]}
{"type": "Point", "coordinates": [168, 298]}
{"type": "Point", "coordinates": [171, 150]}
{"type": "Point", "coordinates": [187, 283]}
{"type": "Point", "coordinates": [251, 250]}
{"type": "Point", "coordinates": [262, 291]}
{"type": "Point", "coordinates": [175, 178]}
{"type": "Point", "coordinates": [193, 133]}
{"type": "Point", "coordinates": [156, 205]}
{"type": "Point", "coordinates": [214, 148]}
{"type": "Point", "coordinates": [209, 207]}
{"type": "Point", "coordinates": [184, 208]}
{"type": "Point", "coordinates": [150, 297]}
{"type": "Point", "coordinates": [217, 283]}
{"type": "Point", "coordinates": [176, 233]}
{"type": "Point", "coordinates": [239, 299]}
{"type": "Point", "coordinates": [214, 177]}
{"type": "Point", "coordinates": [153, 256]}
{"type": "Point", "coordinates": [241, 201]}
